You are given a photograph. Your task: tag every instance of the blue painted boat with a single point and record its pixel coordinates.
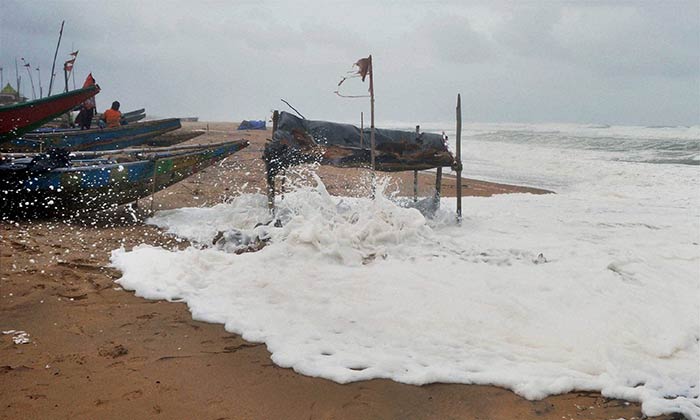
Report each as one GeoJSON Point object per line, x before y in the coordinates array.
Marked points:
{"type": "Point", "coordinates": [64, 184]}
{"type": "Point", "coordinates": [94, 139]}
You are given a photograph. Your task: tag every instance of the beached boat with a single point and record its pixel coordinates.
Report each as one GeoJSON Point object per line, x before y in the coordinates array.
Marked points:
{"type": "Point", "coordinates": [128, 117]}
{"type": "Point", "coordinates": [173, 138]}
{"type": "Point", "coordinates": [19, 118]}
{"type": "Point", "coordinates": [296, 141]}
{"type": "Point", "coordinates": [67, 184]}
{"type": "Point", "coordinates": [93, 139]}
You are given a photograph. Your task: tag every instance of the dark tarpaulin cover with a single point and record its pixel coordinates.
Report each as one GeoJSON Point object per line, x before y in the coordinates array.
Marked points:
{"type": "Point", "coordinates": [252, 125]}
{"type": "Point", "coordinates": [298, 141]}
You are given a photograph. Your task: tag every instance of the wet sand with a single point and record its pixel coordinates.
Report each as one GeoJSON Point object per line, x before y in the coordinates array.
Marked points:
{"type": "Point", "coordinates": [97, 351]}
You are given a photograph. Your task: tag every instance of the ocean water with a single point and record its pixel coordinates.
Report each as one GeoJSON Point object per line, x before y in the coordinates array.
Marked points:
{"type": "Point", "coordinates": [596, 287]}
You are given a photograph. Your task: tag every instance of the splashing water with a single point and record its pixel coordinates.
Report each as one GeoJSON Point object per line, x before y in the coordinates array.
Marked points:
{"type": "Point", "coordinates": [539, 294]}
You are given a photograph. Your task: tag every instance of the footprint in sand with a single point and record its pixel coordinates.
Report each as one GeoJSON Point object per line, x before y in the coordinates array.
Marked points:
{"type": "Point", "coordinates": [133, 395]}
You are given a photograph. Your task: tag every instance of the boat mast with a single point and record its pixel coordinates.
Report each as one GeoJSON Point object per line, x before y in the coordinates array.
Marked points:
{"type": "Point", "coordinates": [53, 66]}
{"type": "Point", "coordinates": [41, 89]}
{"type": "Point", "coordinates": [19, 78]}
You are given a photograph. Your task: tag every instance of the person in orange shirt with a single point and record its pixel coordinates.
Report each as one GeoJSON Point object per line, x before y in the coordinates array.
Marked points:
{"type": "Point", "coordinates": [112, 117]}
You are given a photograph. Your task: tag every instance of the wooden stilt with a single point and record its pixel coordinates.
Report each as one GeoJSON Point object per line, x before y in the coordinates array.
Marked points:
{"type": "Point", "coordinates": [415, 173]}
{"type": "Point", "coordinates": [271, 178]}
{"type": "Point", "coordinates": [438, 185]}
{"type": "Point", "coordinates": [371, 96]}
{"type": "Point", "coordinates": [459, 157]}
{"type": "Point", "coordinates": [371, 127]}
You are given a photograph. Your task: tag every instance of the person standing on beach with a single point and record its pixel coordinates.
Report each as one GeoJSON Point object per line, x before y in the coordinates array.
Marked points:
{"type": "Point", "coordinates": [84, 118]}
{"type": "Point", "coordinates": [112, 117]}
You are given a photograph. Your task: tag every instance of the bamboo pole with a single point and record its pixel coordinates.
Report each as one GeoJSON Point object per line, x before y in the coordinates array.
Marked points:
{"type": "Point", "coordinates": [41, 89]}
{"type": "Point", "coordinates": [438, 185]}
{"type": "Point", "coordinates": [415, 173]}
{"type": "Point", "coordinates": [459, 157]}
{"type": "Point", "coordinates": [371, 129]}
{"type": "Point", "coordinates": [19, 78]}
{"type": "Point", "coordinates": [271, 179]}
{"type": "Point", "coordinates": [371, 95]}
{"type": "Point", "coordinates": [53, 66]}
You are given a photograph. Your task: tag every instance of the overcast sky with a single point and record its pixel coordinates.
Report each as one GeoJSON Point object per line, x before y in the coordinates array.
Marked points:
{"type": "Point", "coordinates": [603, 62]}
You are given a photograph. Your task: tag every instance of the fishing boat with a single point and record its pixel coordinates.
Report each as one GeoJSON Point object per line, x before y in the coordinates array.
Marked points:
{"type": "Point", "coordinates": [173, 138]}
{"type": "Point", "coordinates": [16, 119]}
{"type": "Point", "coordinates": [94, 139]}
{"type": "Point", "coordinates": [296, 141]}
{"type": "Point", "coordinates": [64, 184]}
{"type": "Point", "coordinates": [128, 117]}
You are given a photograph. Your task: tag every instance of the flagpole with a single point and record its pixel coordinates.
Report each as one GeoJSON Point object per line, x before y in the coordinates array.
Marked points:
{"type": "Point", "coordinates": [19, 95]}
{"type": "Point", "coordinates": [41, 89]}
{"type": "Point", "coordinates": [53, 66]}
{"type": "Point", "coordinates": [31, 79]}
{"type": "Point", "coordinates": [65, 76]}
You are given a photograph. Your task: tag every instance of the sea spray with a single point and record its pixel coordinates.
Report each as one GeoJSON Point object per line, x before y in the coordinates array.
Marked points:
{"type": "Point", "coordinates": [352, 288]}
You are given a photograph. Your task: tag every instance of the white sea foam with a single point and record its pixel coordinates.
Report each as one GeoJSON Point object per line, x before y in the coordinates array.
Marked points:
{"type": "Point", "coordinates": [352, 289]}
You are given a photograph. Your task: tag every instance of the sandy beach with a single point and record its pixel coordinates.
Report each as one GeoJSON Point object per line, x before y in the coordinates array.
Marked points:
{"type": "Point", "coordinates": [97, 351]}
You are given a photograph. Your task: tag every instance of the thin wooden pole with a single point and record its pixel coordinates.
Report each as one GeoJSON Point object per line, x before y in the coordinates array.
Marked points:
{"type": "Point", "coordinates": [31, 79]}
{"type": "Point", "coordinates": [371, 95]}
{"type": "Point", "coordinates": [271, 179]}
{"type": "Point", "coordinates": [41, 89]}
{"type": "Point", "coordinates": [459, 157]}
{"type": "Point", "coordinates": [53, 66]}
{"type": "Point", "coordinates": [415, 173]}
{"type": "Point", "coordinates": [19, 94]}
{"type": "Point", "coordinates": [438, 185]}
{"type": "Point", "coordinates": [371, 129]}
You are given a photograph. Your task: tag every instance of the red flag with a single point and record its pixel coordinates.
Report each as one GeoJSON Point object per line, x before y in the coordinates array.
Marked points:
{"type": "Point", "coordinates": [74, 53]}
{"type": "Point", "coordinates": [363, 67]}
{"type": "Point", "coordinates": [68, 65]}
{"type": "Point", "coordinates": [89, 103]}
{"type": "Point", "coordinates": [89, 81]}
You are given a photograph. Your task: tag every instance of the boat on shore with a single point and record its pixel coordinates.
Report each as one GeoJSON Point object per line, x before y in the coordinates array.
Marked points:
{"type": "Point", "coordinates": [63, 184]}
{"type": "Point", "coordinates": [19, 118]}
{"type": "Point", "coordinates": [94, 139]}
{"type": "Point", "coordinates": [173, 138]}
{"type": "Point", "coordinates": [128, 117]}
{"type": "Point", "coordinates": [297, 141]}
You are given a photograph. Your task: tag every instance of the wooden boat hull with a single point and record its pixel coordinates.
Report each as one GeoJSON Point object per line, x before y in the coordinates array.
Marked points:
{"type": "Point", "coordinates": [93, 139]}
{"type": "Point", "coordinates": [171, 139]}
{"type": "Point", "coordinates": [297, 141]}
{"type": "Point", "coordinates": [74, 190]}
{"type": "Point", "coordinates": [129, 117]}
{"type": "Point", "coordinates": [17, 119]}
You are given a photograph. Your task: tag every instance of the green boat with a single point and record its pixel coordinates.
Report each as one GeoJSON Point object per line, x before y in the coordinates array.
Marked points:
{"type": "Point", "coordinates": [63, 184]}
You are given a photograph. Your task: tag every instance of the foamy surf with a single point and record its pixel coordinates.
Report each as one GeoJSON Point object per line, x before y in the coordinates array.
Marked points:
{"type": "Point", "coordinates": [353, 289]}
